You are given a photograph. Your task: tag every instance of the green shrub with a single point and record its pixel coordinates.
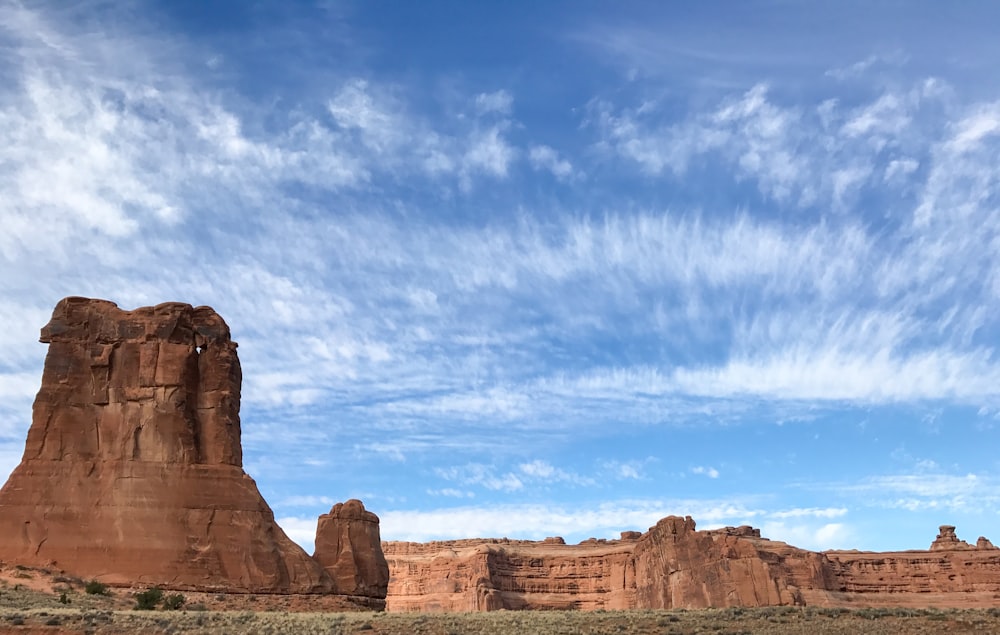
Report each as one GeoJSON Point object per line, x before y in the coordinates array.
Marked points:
{"type": "Point", "coordinates": [174, 602]}
{"type": "Point", "coordinates": [148, 599]}
{"type": "Point", "coordinates": [63, 599]}
{"type": "Point", "coordinates": [96, 588]}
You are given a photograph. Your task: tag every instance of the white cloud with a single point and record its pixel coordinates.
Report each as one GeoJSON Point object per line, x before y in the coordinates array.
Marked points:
{"type": "Point", "coordinates": [532, 521]}
{"type": "Point", "coordinates": [927, 489]}
{"type": "Point", "coordinates": [814, 512]}
{"type": "Point", "coordinates": [499, 102]}
{"type": "Point", "coordinates": [971, 131]}
{"type": "Point", "coordinates": [10, 456]}
{"type": "Point", "coordinates": [900, 168]}
{"type": "Point", "coordinates": [885, 118]}
{"type": "Point", "coordinates": [633, 469]}
{"type": "Point", "coordinates": [810, 536]}
{"type": "Point", "coordinates": [628, 471]}
{"type": "Point", "coordinates": [545, 158]}
{"type": "Point", "coordinates": [710, 472]}
{"type": "Point", "coordinates": [307, 501]}
{"type": "Point", "coordinates": [823, 375]}
{"type": "Point", "coordinates": [488, 153]}
{"type": "Point", "coordinates": [843, 250]}
{"type": "Point", "coordinates": [545, 472]}
{"type": "Point", "coordinates": [865, 377]}
{"type": "Point", "coordinates": [451, 492]}
{"type": "Point", "coordinates": [853, 70]}
{"type": "Point", "coordinates": [300, 530]}
{"type": "Point", "coordinates": [483, 475]}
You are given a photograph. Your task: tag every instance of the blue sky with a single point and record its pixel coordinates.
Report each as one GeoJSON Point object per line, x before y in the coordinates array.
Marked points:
{"type": "Point", "coordinates": [531, 269]}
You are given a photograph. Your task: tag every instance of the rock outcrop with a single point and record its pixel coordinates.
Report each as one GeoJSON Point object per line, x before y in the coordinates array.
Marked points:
{"type": "Point", "coordinates": [132, 470]}
{"type": "Point", "coordinates": [675, 566]}
{"type": "Point", "coordinates": [947, 540]}
{"type": "Point", "coordinates": [678, 567]}
{"type": "Point", "coordinates": [493, 574]}
{"type": "Point", "coordinates": [349, 548]}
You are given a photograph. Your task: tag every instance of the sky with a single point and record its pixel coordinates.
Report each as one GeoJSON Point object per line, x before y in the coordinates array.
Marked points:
{"type": "Point", "coordinates": [534, 269]}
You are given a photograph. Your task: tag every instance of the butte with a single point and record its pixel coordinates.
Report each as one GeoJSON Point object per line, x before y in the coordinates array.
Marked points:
{"type": "Point", "coordinates": [132, 470]}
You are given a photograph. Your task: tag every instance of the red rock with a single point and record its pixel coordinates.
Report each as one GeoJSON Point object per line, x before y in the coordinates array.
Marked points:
{"type": "Point", "coordinates": [946, 539]}
{"type": "Point", "coordinates": [349, 548]}
{"type": "Point", "coordinates": [132, 470]}
{"type": "Point", "coordinates": [678, 567]}
{"type": "Point", "coordinates": [494, 574]}
{"type": "Point", "coordinates": [675, 566]}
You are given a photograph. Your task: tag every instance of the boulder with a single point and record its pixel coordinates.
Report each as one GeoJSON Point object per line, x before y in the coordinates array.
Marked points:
{"type": "Point", "coordinates": [132, 470]}
{"type": "Point", "coordinates": [349, 548]}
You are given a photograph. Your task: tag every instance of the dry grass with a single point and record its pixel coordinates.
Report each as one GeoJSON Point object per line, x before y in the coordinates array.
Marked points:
{"type": "Point", "coordinates": [26, 610]}
{"type": "Point", "coordinates": [767, 621]}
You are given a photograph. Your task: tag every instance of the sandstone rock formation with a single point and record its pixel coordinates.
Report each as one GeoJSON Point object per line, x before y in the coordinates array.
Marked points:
{"type": "Point", "coordinates": [132, 470]}
{"type": "Point", "coordinates": [675, 566]}
{"type": "Point", "coordinates": [946, 539]}
{"type": "Point", "coordinates": [960, 578]}
{"type": "Point", "coordinates": [678, 567]}
{"type": "Point", "coordinates": [493, 574]}
{"type": "Point", "coordinates": [349, 548]}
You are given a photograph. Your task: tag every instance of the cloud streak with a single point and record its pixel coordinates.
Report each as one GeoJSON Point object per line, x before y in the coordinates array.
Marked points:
{"type": "Point", "coordinates": [417, 265]}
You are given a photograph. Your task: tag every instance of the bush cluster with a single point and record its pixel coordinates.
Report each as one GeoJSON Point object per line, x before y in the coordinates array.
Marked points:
{"type": "Point", "coordinates": [94, 587]}
{"type": "Point", "coordinates": [149, 599]}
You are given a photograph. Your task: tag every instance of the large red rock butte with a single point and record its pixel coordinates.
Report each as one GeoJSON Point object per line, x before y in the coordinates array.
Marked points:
{"type": "Point", "coordinates": [132, 471]}
{"type": "Point", "coordinates": [349, 548]}
{"type": "Point", "coordinates": [675, 566]}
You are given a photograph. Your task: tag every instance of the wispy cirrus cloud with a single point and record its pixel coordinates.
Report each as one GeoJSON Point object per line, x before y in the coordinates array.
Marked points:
{"type": "Point", "coordinates": [417, 265]}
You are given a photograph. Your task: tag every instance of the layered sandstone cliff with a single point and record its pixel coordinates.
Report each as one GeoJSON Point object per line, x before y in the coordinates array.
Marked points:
{"type": "Point", "coordinates": [952, 573]}
{"type": "Point", "coordinates": [679, 567]}
{"type": "Point", "coordinates": [132, 470]}
{"type": "Point", "coordinates": [675, 566]}
{"type": "Point", "coordinates": [485, 575]}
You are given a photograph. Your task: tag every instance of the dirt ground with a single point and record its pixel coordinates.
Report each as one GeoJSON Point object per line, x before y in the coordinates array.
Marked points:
{"type": "Point", "coordinates": [34, 601]}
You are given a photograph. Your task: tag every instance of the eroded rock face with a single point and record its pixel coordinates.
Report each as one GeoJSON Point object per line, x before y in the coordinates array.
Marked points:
{"type": "Point", "coordinates": [946, 539]}
{"type": "Point", "coordinates": [675, 566]}
{"type": "Point", "coordinates": [494, 574]}
{"type": "Point", "coordinates": [678, 567]}
{"type": "Point", "coordinates": [132, 471]}
{"type": "Point", "coordinates": [349, 548]}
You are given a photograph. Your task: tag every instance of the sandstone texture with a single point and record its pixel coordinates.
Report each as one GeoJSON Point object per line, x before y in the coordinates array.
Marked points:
{"type": "Point", "coordinates": [132, 470]}
{"type": "Point", "coordinates": [487, 575]}
{"type": "Point", "coordinates": [946, 540]}
{"type": "Point", "coordinates": [673, 565]}
{"type": "Point", "coordinates": [349, 548]}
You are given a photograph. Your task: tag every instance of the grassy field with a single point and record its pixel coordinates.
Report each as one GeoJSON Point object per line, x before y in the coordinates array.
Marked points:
{"type": "Point", "coordinates": [32, 603]}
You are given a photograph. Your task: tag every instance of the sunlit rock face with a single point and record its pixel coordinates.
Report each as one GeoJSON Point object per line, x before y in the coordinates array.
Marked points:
{"type": "Point", "coordinates": [673, 565]}
{"type": "Point", "coordinates": [132, 470]}
{"type": "Point", "coordinates": [349, 548]}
